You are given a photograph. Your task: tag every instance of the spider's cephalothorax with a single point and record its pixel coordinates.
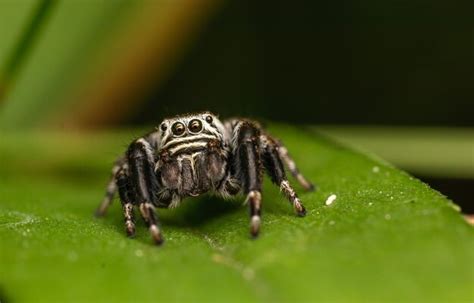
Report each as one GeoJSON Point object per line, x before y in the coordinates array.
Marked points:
{"type": "Point", "coordinates": [193, 154]}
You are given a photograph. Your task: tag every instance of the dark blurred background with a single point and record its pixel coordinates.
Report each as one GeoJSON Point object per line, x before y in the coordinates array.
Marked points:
{"type": "Point", "coordinates": [351, 62]}
{"type": "Point", "coordinates": [394, 77]}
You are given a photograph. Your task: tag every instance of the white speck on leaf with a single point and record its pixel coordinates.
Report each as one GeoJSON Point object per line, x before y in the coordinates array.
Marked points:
{"type": "Point", "coordinates": [331, 199]}
{"type": "Point", "coordinates": [139, 253]}
{"type": "Point", "coordinates": [370, 203]}
{"type": "Point", "coordinates": [375, 169]}
{"type": "Point", "coordinates": [332, 222]}
{"type": "Point", "coordinates": [388, 217]}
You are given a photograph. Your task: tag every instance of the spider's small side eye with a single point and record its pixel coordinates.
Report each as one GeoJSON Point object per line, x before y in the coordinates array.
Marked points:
{"type": "Point", "coordinates": [209, 119]}
{"type": "Point", "coordinates": [163, 127]}
{"type": "Point", "coordinates": [178, 129]}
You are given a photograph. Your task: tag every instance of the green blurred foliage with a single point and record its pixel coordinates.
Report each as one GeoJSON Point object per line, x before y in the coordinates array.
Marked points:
{"type": "Point", "coordinates": [14, 16]}
{"type": "Point", "coordinates": [308, 62]}
{"type": "Point", "coordinates": [436, 152]}
{"type": "Point", "coordinates": [72, 34]}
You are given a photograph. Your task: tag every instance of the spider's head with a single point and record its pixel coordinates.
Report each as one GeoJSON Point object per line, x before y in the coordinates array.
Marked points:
{"type": "Point", "coordinates": [197, 125]}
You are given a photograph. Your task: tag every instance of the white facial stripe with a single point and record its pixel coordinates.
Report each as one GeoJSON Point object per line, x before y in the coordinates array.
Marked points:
{"type": "Point", "coordinates": [215, 132]}
{"type": "Point", "coordinates": [189, 139]}
{"type": "Point", "coordinates": [197, 144]}
{"type": "Point", "coordinates": [166, 137]}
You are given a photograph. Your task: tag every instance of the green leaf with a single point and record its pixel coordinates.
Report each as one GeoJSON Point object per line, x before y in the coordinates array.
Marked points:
{"type": "Point", "coordinates": [386, 237]}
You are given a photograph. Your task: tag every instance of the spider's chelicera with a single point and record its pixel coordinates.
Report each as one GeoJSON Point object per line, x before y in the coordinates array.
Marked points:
{"type": "Point", "coordinates": [192, 154]}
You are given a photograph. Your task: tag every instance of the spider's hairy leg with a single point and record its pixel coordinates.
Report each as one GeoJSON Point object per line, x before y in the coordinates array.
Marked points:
{"type": "Point", "coordinates": [141, 165]}
{"type": "Point", "coordinates": [274, 167]}
{"type": "Point", "coordinates": [127, 196]}
{"type": "Point", "coordinates": [111, 189]}
{"type": "Point", "coordinates": [148, 213]}
{"type": "Point", "coordinates": [290, 163]}
{"type": "Point", "coordinates": [249, 167]}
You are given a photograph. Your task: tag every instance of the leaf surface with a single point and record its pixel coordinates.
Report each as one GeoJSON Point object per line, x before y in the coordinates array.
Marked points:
{"type": "Point", "coordinates": [386, 237]}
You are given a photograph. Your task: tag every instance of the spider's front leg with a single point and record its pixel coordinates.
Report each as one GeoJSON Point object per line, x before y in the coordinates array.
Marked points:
{"type": "Point", "coordinates": [142, 176]}
{"type": "Point", "coordinates": [248, 168]}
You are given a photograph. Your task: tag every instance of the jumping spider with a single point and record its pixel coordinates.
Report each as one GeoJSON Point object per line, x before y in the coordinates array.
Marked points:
{"type": "Point", "coordinates": [192, 154]}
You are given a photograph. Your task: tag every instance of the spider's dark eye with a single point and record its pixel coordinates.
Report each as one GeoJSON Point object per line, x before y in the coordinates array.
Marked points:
{"type": "Point", "coordinates": [163, 127]}
{"type": "Point", "coordinates": [195, 126]}
{"type": "Point", "coordinates": [178, 129]}
{"type": "Point", "coordinates": [208, 119]}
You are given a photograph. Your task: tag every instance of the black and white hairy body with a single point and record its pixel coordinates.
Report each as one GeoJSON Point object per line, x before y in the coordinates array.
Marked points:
{"type": "Point", "coordinates": [189, 155]}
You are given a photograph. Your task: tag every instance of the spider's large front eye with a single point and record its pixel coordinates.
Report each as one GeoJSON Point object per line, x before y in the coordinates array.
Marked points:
{"type": "Point", "coordinates": [178, 129]}
{"type": "Point", "coordinates": [195, 126]}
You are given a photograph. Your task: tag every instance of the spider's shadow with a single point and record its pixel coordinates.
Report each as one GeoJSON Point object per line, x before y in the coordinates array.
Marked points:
{"type": "Point", "coordinates": [192, 213]}
{"type": "Point", "coordinates": [196, 211]}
